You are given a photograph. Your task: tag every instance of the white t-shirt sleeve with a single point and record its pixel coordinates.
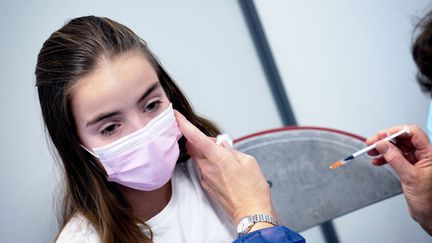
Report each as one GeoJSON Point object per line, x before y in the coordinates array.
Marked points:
{"type": "Point", "coordinates": [78, 229]}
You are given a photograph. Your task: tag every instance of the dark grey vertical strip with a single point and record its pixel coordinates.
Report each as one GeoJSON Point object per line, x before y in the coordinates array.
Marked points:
{"type": "Point", "coordinates": [268, 63]}
{"type": "Point", "coordinates": [329, 232]}
{"type": "Point", "coordinates": [275, 82]}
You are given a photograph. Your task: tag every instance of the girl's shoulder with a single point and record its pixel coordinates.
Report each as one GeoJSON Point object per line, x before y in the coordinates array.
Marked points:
{"type": "Point", "coordinates": [78, 229]}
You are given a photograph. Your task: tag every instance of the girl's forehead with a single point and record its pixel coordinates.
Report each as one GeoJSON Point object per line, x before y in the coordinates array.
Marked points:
{"type": "Point", "coordinates": [113, 83]}
{"type": "Point", "coordinates": [124, 73]}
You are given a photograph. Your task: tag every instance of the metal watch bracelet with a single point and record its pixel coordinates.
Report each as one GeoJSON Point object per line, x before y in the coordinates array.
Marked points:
{"type": "Point", "coordinates": [248, 222]}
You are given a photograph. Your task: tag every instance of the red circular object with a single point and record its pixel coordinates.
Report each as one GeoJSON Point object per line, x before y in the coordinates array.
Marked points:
{"type": "Point", "coordinates": [288, 128]}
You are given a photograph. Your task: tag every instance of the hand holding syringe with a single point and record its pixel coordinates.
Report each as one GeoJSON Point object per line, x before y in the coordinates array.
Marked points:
{"type": "Point", "coordinates": [411, 160]}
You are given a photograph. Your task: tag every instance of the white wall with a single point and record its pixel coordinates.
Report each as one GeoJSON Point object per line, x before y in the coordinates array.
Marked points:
{"type": "Point", "coordinates": [204, 44]}
{"type": "Point", "coordinates": [347, 65]}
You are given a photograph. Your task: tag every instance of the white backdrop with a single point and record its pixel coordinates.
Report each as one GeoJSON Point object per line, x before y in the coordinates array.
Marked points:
{"type": "Point", "coordinates": [205, 45]}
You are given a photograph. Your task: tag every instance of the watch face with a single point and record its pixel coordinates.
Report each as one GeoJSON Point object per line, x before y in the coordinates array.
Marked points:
{"type": "Point", "coordinates": [244, 225]}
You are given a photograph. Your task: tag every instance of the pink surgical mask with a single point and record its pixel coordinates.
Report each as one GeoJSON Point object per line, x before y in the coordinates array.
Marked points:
{"type": "Point", "coordinates": [145, 159]}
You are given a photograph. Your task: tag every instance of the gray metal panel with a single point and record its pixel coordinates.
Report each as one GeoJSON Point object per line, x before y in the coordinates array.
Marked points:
{"type": "Point", "coordinates": [305, 192]}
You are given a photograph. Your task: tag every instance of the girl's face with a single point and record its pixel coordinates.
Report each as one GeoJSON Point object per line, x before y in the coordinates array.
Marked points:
{"type": "Point", "coordinates": [121, 96]}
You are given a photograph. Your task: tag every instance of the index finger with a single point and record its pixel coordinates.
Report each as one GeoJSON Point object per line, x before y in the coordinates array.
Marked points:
{"type": "Point", "coordinates": [390, 131]}
{"type": "Point", "coordinates": [198, 139]}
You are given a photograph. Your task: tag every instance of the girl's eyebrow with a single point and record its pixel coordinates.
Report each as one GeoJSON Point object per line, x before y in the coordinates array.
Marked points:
{"type": "Point", "coordinates": [103, 116]}
{"type": "Point", "coordinates": [152, 88]}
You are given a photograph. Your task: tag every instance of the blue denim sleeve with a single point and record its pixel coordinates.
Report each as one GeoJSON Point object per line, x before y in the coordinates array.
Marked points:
{"type": "Point", "coordinates": [277, 234]}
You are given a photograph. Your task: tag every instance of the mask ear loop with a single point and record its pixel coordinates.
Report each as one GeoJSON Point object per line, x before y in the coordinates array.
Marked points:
{"type": "Point", "coordinates": [93, 163]}
{"type": "Point", "coordinates": [88, 150]}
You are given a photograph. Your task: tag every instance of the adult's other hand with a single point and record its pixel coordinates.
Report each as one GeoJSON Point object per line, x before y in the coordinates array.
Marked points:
{"type": "Point", "coordinates": [411, 158]}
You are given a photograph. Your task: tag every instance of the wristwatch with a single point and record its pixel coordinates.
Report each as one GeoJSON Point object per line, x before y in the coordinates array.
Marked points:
{"type": "Point", "coordinates": [247, 222]}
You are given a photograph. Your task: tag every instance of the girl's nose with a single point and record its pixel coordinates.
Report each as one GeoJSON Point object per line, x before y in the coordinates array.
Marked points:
{"type": "Point", "coordinates": [138, 120]}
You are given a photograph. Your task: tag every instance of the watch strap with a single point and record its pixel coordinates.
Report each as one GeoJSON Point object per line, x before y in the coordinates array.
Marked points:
{"type": "Point", "coordinates": [264, 218]}
{"type": "Point", "coordinates": [252, 220]}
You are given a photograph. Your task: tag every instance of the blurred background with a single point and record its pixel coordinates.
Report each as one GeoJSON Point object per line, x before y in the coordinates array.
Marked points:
{"type": "Point", "coordinates": [344, 65]}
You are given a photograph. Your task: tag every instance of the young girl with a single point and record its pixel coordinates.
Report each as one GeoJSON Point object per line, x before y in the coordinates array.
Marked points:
{"type": "Point", "coordinates": [116, 120]}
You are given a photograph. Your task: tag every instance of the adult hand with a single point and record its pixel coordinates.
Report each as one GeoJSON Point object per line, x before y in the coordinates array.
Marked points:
{"type": "Point", "coordinates": [233, 179]}
{"type": "Point", "coordinates": [411, 159]}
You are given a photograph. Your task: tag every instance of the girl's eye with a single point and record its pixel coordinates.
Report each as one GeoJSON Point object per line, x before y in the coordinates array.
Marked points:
{"type": "Point", "coordinates": [110, 130]}
{"type": "Point", "coordinates": [152, 106]}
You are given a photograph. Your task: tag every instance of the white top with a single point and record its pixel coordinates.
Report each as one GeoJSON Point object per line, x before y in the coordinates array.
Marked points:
{"type": "Point", "coordinates": [190, 216]}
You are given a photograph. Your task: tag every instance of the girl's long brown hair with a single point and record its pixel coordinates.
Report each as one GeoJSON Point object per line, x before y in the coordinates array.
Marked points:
{"type": "Point", "coordinates": [69, 54]}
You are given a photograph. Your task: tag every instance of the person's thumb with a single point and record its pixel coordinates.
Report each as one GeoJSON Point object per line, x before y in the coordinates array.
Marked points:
{"type": "Point", "coordinates": [395, 158]}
